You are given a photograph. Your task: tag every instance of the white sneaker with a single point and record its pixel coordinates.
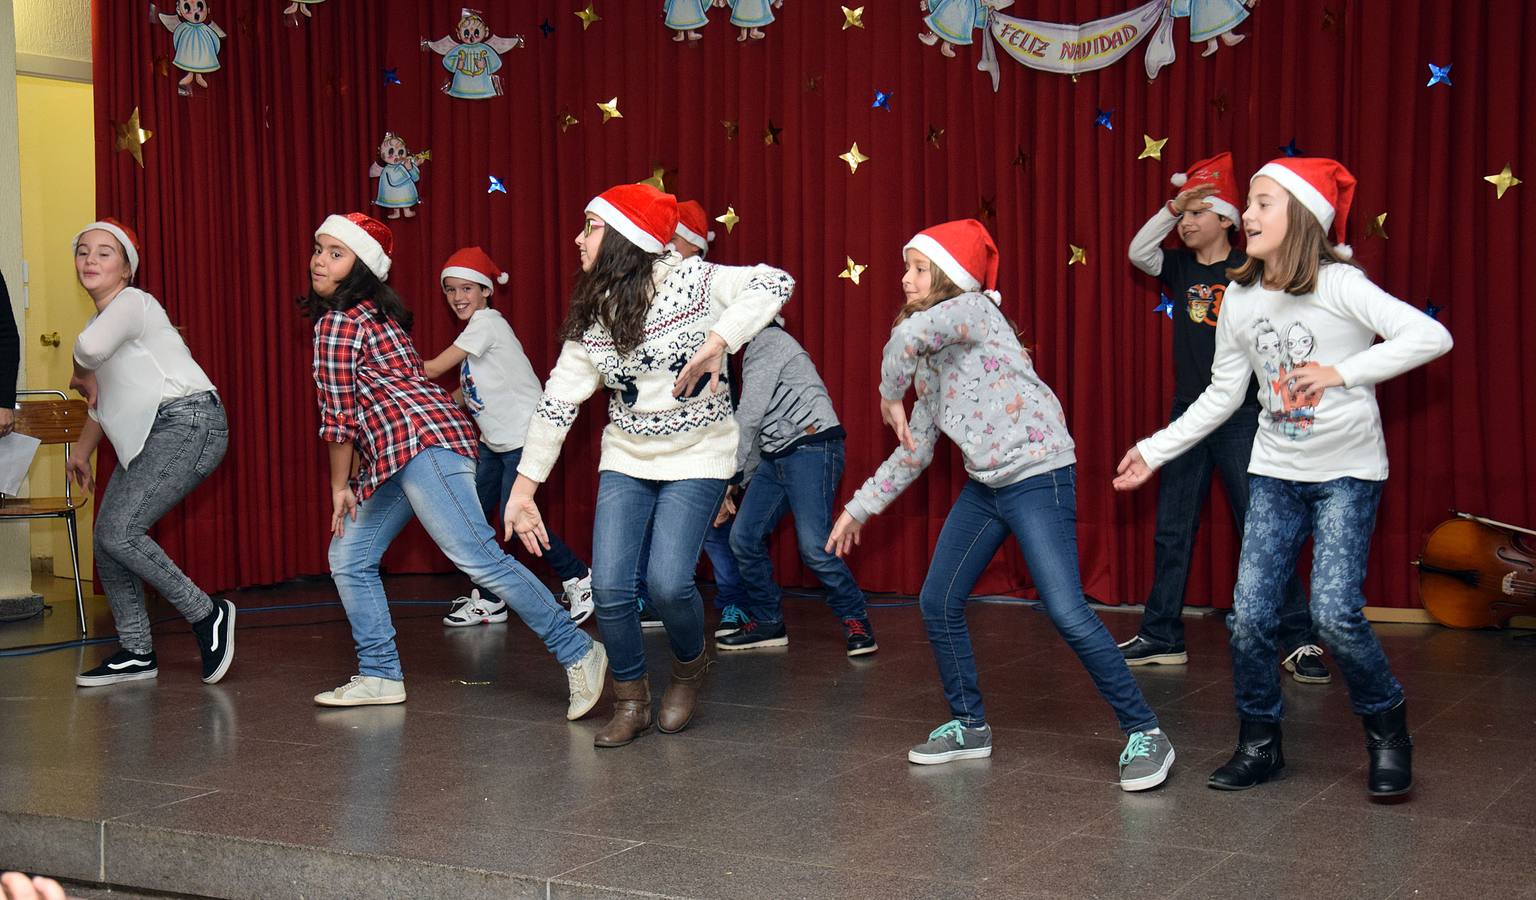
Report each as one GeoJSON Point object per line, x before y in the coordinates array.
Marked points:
{"type": "Point", "coordinates": [475, 610]}
{"type": "Point", "coordinates": [586, 676]}
{"type": "Point", "coordinates": [578, 596]}
{"type": "Point", "coordinates": [364, 690]}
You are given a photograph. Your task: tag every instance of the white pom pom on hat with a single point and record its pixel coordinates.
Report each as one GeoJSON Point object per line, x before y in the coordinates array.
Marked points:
{"type": "Point", "coordinates": [1178, 179]}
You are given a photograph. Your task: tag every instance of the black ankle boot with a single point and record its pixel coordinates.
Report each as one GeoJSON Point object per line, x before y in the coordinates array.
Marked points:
{"type": "Point", "coordinates": [1257, 760]}
{"type": "Point", "coordinates": [1391, 752]}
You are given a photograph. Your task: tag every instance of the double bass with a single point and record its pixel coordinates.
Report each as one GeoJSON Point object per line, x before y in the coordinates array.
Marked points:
{"type": "Point", "coordinates": [1477, 573]}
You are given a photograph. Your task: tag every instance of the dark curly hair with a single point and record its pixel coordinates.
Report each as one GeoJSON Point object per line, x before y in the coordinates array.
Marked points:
{"type": "Point", "coordinates": [616, 293]}
{"type": "Point", "coordinates": [359, 285]}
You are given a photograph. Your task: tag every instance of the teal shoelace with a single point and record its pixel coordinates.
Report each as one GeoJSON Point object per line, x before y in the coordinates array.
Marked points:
{"type": "Point", "coordinates": [953, 729]}
{"type": "Point", "coordinates": [1139, 745]}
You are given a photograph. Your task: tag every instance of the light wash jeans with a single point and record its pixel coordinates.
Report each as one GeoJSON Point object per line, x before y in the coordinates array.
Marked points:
{"type": "Point", "coordinates": [438, 487]}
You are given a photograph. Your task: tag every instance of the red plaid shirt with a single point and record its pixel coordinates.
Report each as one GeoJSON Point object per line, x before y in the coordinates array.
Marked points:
{"type": "Point", "coordinates": [374, 392]}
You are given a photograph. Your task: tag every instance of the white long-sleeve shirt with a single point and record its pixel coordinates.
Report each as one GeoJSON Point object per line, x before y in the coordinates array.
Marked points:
{"type": "Point", "coordinates": [1269, 334]}
{"type": "Point", "coordinates": [651, 434]}
{"type": "Point", "coordinates": [140, 362]}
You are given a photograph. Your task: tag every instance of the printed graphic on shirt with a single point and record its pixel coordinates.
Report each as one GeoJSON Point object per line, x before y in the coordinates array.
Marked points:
{"type": "Point", "coordinates": [471, 394]}
{"type": "Point", "coordinates": [1282, 351]}
{"type": "Point", "coordinates": [1202, 303]}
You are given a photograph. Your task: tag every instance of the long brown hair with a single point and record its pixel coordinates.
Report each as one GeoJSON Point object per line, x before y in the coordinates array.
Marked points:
{"type": "Point", "coordinates": [616, 293]}
{"type": "Point", "coordinates": [1302, 253]}
{"type": "Point", "coordinates": [940, 288]}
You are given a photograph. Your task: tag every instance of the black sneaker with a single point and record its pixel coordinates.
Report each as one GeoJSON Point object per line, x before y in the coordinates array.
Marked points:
{"type": "Point", "coordinates": [216, 639]}
{"type": "Point", "coordinates": [124, 665]}
{"type": "Point", "coordinates": [861, 638]}
{"type": "Point", "coordinates": [648, 617]}
{"type": "Point", "coordinates": [753, 635]}
{"type": "Point", "coordinates": [1138, 651]}
{"type": "Point", "coordinates": [1306, 665]}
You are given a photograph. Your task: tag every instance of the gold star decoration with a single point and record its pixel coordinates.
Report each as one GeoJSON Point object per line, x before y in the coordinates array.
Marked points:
{"type": "Point", "coordinates": [658, 179]}
{"type": "Point", "coordinates": [131, 136]}
{"type": "Point", "coordinates": [610, 110]}
{"type": "Point", "coordinates": [934, 133]}
{"type": "Point", "coordinates": [731, 127]}
{"type": "Point", "coordinates": [1153, 149]}
{"type": "Point", "coordinates": [587, 17]}
{"type": "Point", "coordinates": [1377, 227]}
{"type": "Point", "coordinates": [566, 120]}
{"type": "Point", "coordinates": [771, 134]}
{"type": "Point", "coordinates": [812, 83]}
{"type": "Point", "coordinates": [729, 220]}
{"type": "Point", "coordinates": [853, 18]}
{"type": "Point", "coordinates": [161, 65]}
{"type": "Point", "coordinates": [988, 210]}
{"type": "Point", "coordinates": [1021, 159]}
{"type": "Point", "coordinates": [1503, 181]}
{"type": "Point", "coordinates": [1219, 103]}
{"type": "Point", "coordinates": [1079, 255]}
{"type": "Point", "coordinates": [853, 157]}
{"type": "Point", "coordinates": [852, 270]}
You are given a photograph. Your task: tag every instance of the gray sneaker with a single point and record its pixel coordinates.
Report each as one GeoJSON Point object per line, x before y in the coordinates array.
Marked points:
{"type": "Point", "coordinates": [952, 741]}
{"type": "Point", "coordinates": [1146, 760]}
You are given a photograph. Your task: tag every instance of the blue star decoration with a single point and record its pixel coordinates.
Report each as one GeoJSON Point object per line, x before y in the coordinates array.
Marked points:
{"type": "Point", "coordinates": [882, 100]}
{"type": "Point", "coordinates": [1101, 119]}
{"type": "Point", "coordinates": [546, 28]}
{"type": "Point", "coordinates": [1165, 307]}
{"type": "Point", "coordinates": [1291, 149]}
{"type": "Point", "coordinates": [1439, 75]}
{"type": "Point", "coordinates": [391, 76]}
{"type": "Point", "coordinates": [496, 185]}
{"type": "Point", "coordinates": [1431, 310]}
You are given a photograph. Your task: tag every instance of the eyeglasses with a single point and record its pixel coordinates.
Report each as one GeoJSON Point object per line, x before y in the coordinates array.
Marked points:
{"type": "Point", "coordinates": [590, 226]}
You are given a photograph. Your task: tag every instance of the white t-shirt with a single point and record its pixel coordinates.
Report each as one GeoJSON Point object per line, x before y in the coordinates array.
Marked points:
{"type": "Point", "coordinates": [1270, 334]}
{"type": "Point", "coordinates": [140, 361]}
{"type": "Point", "coordinates": [499, 385]}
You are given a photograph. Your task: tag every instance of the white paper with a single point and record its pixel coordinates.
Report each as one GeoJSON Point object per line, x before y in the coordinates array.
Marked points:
{"type": "Point", "coordinates": [16, 453]}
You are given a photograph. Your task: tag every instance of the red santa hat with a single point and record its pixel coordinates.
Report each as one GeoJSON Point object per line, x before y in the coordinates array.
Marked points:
{"type": "Point", "coordinates": [966, 253]}
{"type": "Point", "coordinates": [473, 264]}
{"type": "Point", "coordinates": [1321, 185]}
{"type": "Point", "coordinates": [693, 225]}
{"type": "Point", "coordinates": [645, 216]}
{"type": "Point", "coordinates": [1215, 171]}
{"type": "Point", "coordinates": [364, 235]}
{"type": "Point", "coordinates": [124, 235]}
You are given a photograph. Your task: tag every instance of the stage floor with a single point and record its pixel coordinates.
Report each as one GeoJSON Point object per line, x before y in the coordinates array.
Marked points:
{"type": "Point", "coordinates": [792, 780]}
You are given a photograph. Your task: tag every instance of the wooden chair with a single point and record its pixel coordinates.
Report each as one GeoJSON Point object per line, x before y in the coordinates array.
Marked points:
{"type": "Point", "coordinates": [54, 421]}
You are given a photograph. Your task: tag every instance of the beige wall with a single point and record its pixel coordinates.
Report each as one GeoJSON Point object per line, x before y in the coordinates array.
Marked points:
{"type": "Point", "coordinates": [15, 560]}
{"type": "Point", "coordinates": [53, 38]}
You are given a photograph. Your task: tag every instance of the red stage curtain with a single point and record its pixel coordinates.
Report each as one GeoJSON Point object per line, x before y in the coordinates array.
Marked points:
{"type": "Point", "coordinates": [235, 180]}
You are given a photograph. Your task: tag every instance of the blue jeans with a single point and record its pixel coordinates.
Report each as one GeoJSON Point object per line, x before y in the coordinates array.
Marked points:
{"type": "Point", "coordinates": [676, 515]}
{"type": "Point", "coordinates": [717, 546]}
{"type": "Point", "coordinates": [438, 487]}
{"type": "Point", "coordinates": [1041, 514]}
{"type": "Point", "coordinates": [493, 483]}
{"type": "Point", "coordinates": [802, 482]}
{"type": "Point", "coordinates": [1182, 487]}
{"type": "Point", "coordinates": [1341, 515]}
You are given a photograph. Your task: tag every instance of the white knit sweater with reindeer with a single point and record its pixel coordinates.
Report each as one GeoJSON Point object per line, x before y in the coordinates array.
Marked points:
{"type": "Point", "coordinates": [651, 434]}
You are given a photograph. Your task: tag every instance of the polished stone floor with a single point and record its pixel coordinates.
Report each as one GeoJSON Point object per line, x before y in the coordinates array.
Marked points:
{"type": "Point", "coordinates": [791, 782]}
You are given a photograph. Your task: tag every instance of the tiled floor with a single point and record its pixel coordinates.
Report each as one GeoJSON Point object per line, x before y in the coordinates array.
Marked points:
{"type": "Point", "coordinates": [791, 782]}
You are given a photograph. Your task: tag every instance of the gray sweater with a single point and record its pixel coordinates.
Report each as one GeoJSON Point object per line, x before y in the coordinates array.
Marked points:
{"type": "Point", "coordinates": [974, 384]}
{"type": "Point", "coordinates": [783, 401]}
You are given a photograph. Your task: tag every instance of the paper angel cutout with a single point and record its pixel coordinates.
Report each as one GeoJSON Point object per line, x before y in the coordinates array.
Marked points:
{"type": "Point", "coordinates": [196, 40]}
{"type": "Point", "coordinates": [300, 6]}
{"type": "Point", "coordinates": [685, 17]}
{"type": "Point", "coordinates": [751, 15]}
{"type": "Point", "coordinates": [472, 55]}
{"type": "Point", "coordinates": [950, 22]}
{"type": "Point", "coordinates": [1212, 19]}
{"type": "Point", "coordinates": [397, 176]}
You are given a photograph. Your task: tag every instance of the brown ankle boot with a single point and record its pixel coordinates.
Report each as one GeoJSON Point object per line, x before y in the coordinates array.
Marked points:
{"type": "Point", "coordinates": [683, 693]}
{"type": "Point", "coordinates": [631, 713]}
